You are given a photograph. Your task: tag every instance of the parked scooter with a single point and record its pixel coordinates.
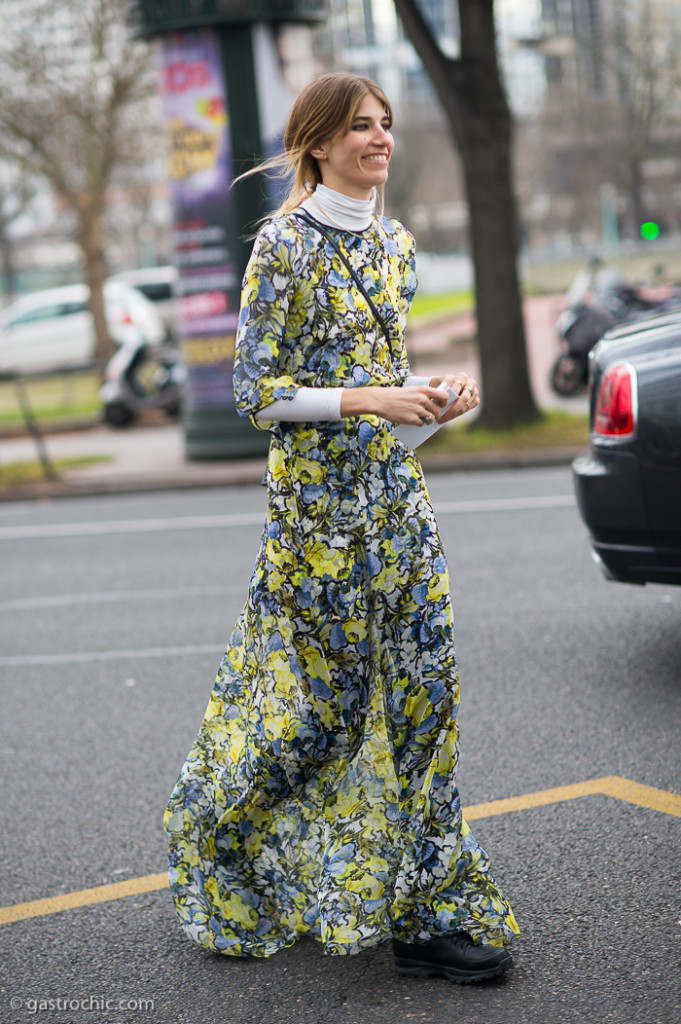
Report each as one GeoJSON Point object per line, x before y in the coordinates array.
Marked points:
{"type": "Point", "coordinates": [140, 377]}
{"type": "Point", "coordinates": [598, 299]}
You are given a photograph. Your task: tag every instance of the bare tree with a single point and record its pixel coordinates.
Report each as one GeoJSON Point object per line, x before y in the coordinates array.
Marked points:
{"type": "Point", "coordinates": [72, 90]}
{"type": "Point", "coordinates": [474, 102]}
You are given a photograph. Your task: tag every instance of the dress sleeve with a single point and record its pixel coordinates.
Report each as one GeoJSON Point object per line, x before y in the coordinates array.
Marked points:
{"type": "Point", "coordinates": [268, 288]}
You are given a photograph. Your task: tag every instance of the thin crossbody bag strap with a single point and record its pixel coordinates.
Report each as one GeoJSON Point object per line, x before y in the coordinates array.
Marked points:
{"type": "Point", "coordinates": [355, 276]}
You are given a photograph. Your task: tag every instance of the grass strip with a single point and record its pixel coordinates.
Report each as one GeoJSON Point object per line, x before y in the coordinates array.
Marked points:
{"type": "Point", "coordinates": [72, 397]}
{"type": "Point", "coordinates": [556, 429]}
{"type": "Point", "coordinates": [441, 304]}
{"type": "Point", "coordinates": [18, 473]}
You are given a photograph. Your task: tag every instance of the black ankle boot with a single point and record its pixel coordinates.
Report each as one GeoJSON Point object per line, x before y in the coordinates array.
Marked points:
{"type": "Point", "coordinates": [455, 957]}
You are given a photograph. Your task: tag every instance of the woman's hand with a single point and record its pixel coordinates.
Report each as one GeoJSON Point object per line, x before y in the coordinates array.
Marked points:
{"type": "Point", "coordinates": [467, 390]}
{"type": "Point", "coordinates": [416, 405]}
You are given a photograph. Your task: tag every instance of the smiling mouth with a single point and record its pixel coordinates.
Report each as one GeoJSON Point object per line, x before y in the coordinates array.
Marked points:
{"type": "Point", "coordinates": [377, 158]}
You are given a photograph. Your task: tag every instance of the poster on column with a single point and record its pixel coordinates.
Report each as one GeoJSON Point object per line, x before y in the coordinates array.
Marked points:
{"type": "Point", "coordinates": [195, 108]}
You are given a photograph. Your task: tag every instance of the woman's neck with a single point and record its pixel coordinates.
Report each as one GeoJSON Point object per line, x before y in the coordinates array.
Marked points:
{"type": "Point", "coordinates": [338, 210]}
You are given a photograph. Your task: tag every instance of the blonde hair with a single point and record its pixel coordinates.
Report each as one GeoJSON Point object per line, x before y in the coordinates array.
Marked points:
{"type": "Point", "coordinates": [323, 112]}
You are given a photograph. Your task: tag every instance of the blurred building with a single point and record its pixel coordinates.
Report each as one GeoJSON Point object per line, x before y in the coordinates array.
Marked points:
{"type": "Point", "coordinates": [572, 32]}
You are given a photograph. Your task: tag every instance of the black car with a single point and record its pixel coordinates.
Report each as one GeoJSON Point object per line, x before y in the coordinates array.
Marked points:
{"type": "Point", "coordinates": [628, 484]}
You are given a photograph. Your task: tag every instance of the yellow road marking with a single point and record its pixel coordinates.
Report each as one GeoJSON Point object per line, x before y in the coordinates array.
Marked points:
{"type": "Point", "coordinates": [610, 785]}
{"type": "Point", "coordinates": [642, 796]}
{"type": "Point", "coordinates": [83, 898]}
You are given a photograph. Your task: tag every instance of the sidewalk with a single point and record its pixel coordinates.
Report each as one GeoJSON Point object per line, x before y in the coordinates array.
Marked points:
{"type": "Point", "coordinates": [140, 459]}
{"type": "Point", "coordinates": [151, 457]}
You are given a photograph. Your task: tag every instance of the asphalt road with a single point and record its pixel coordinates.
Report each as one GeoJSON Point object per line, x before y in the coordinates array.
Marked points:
{"type": "Point", "coordinates": [115, 612]}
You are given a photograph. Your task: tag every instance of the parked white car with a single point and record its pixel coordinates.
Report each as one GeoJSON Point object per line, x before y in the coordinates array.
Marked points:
{"type": "Point", "coordinates": [158, 285]}
{"type": "Point", "coordinates": [52, 330]}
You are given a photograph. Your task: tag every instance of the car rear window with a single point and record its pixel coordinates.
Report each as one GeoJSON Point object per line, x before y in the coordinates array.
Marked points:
{"type": "Point", "coordinates": [48, 312]}
{"type": "Point", "coordinates": [67, 308]}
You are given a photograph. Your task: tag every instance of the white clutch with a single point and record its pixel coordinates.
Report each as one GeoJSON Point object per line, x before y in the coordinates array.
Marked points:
{"type": "Point", "coordinates": [413, 436]}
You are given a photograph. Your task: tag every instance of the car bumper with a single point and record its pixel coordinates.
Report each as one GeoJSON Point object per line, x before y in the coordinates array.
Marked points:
{"type": "Point", "coordinates": [609, 495]}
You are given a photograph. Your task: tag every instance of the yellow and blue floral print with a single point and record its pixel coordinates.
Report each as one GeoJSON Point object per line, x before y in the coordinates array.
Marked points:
{"type": "Point", "coordinates": [319, 797]}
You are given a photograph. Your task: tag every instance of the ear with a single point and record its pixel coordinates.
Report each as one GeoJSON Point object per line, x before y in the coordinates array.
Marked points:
{"type": "Point", "coordinates": [319, 153]}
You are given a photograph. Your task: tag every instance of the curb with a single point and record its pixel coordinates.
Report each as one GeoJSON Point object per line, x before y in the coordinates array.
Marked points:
{"type": "Point", "coordinates": [249, 472]}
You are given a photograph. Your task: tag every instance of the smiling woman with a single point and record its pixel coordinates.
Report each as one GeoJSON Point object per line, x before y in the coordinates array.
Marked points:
{"type": "Point", "coordinates": [320, 797]}
{"type": "Point", "coordinates": [358, 162]}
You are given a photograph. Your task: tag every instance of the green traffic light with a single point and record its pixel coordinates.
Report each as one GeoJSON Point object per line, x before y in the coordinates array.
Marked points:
{"type": "Point", "coordinates": [650, 230]}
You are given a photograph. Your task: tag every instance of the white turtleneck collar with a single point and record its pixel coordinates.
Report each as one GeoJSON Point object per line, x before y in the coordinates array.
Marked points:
{"type": "Point", "coordinates": [339, 211]}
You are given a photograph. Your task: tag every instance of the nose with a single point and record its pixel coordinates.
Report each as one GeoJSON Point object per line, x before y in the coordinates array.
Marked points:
{"type": "Point", "coordinates": [384, 135]}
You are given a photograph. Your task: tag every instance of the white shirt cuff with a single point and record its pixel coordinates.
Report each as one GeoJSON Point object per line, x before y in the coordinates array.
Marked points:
{"type": "Point", "coordinates": [307, 405]}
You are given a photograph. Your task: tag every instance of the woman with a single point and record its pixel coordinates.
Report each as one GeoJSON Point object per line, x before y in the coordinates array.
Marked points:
{"type": "Point", "coordinates": [319, 797]}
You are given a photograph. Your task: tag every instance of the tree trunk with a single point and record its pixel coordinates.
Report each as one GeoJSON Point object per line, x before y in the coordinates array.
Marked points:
{"type": "Point", "coordinates": [474, 102]}
{"type": "Point", "coordinates": [91, 239]}
{"type": "Point", "coordinates": [494, 236]}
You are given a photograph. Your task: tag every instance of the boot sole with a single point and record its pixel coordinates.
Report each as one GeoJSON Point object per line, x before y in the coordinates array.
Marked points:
{"type": "Point", "coordinates": [421, 969]}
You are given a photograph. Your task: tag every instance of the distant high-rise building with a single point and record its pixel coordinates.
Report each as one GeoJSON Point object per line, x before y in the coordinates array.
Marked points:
{"type": "Point", "coordinates": [582, 22]}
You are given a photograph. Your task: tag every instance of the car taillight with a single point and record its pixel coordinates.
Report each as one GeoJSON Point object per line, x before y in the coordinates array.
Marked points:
{"type": "Point", "coordinates": [617, 406]}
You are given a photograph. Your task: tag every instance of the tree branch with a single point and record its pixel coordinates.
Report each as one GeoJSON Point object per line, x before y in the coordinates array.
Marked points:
{"type": "Point", "coordinates": [443, 70]}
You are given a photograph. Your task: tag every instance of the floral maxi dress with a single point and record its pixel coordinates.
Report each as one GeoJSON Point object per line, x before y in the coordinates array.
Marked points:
{"type": "Point", "coordinates": [319, 797]}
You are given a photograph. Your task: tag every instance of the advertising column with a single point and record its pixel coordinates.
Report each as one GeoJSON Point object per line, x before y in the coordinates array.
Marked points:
{"type": "Point", "coordinates": [229, 71]}
{"type": "Point", "coordinates": [205, 240]}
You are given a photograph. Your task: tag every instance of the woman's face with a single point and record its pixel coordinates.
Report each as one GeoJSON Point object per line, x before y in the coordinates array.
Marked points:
{"type": "Point", "coordinates": [357, 162]}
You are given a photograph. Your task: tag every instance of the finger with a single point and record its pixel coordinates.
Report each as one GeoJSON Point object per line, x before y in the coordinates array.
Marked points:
{"type": "Point", "coordinates": [465, 383]}
{"type": "Point", "coordinates": [438, 397]}
{"type": "Point", "coordinates": [469, 392]}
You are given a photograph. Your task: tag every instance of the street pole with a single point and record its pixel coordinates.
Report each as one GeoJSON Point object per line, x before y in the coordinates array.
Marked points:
{"type": "Point", "coordinates": [609, 220]}
{"type": "Point", "coordinates": [215, 90]}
